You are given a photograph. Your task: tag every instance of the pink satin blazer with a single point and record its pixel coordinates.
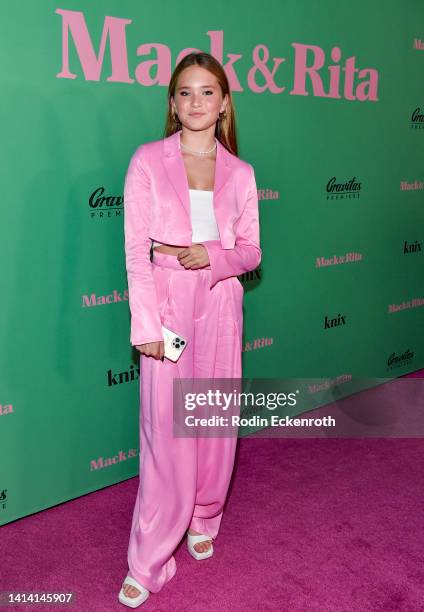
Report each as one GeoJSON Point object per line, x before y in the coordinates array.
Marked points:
{"type": "Point", "coordinates": [157, 207]}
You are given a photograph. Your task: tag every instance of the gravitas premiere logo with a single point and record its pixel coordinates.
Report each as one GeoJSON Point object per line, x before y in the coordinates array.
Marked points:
{"type": "Point", "coordinates": [417, 119]}
{"type": "Point", "coordinates": [336, 190]}
{"type": "Point", "coordinates": [103, 206]}
{"type": "Point", "coordinates": [396, 361]}
{"type": "Point", "coordinates": [3, 499]}
{"type": "Point", "coordinates": [307, 69]}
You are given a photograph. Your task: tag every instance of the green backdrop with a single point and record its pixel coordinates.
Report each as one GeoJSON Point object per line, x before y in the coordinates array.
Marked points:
{"type": "Point", "coordinates": [330, 112]}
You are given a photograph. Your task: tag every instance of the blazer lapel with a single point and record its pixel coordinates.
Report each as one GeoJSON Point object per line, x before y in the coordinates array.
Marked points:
{"type": "Point", "coordinates": [175, 169]}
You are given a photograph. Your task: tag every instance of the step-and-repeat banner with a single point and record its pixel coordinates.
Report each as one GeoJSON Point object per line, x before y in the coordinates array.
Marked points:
{"type": "Point", "coordinates": [330, 111]}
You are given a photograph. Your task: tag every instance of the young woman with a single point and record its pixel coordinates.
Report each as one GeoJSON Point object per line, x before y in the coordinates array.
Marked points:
{"type": "Point", "coordinates": [195, 201]}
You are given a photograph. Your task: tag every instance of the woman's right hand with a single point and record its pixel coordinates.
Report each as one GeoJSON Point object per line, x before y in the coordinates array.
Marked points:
{"type": "Point", "coordinates": [152, 349]}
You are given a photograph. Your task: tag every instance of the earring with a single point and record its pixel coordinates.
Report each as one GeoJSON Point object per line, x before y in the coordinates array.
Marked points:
{"type": "Point", "coordinates": [222, 115]}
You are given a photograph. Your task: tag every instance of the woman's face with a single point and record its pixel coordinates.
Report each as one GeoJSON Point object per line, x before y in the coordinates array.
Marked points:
{"type": "Point", "coordinates": [198, 98]}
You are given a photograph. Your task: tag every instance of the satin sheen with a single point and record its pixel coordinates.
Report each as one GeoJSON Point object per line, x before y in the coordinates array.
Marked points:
{"type": "Point", "coordinates": [157, 207]}
{"type": "Point", "coordinates": [183, 481]}
{"type": "Point", "coordinates": [203, 222]}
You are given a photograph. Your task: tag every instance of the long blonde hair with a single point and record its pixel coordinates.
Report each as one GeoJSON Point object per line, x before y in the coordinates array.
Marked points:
{"type": "Point", "coordinates": [225, 130]}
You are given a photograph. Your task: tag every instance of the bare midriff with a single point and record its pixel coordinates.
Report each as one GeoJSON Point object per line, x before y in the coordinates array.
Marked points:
{"type": "Point", "coordinates": [169, 249]}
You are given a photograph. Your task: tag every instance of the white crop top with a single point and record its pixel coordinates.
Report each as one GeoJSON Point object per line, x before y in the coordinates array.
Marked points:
{"type": "Point", "coordinates": [203, 222]}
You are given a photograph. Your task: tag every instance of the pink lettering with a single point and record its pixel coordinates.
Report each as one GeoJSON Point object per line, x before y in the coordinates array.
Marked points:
{"type": "Point", "coordinates": [114, 28]}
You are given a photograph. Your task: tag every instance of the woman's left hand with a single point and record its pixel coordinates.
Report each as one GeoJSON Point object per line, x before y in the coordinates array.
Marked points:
{"type": "Point", "coordinates": [194, 257]}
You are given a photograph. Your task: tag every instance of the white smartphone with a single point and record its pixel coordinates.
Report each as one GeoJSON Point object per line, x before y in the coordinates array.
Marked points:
{"type": "Point", "coordinates": [174, 344]}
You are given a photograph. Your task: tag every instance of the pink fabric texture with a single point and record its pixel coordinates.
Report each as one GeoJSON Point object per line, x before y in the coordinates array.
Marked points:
{"type": "Point", "coordinates": [157, 207]}
{"type": "Point", "coordinates": [183, 481]}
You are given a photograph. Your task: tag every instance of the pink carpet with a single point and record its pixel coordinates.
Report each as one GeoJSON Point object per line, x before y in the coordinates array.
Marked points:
{"type": "Point", "coordinates": [310, 525]}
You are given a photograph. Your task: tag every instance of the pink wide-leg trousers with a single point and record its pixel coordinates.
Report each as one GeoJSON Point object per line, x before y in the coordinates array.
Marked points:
{"type": "Point", "coordinates": [183, 481]}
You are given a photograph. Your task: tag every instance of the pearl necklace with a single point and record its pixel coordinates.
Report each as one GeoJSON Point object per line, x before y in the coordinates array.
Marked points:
{"type": "Point", "coordinates": [199, 152]}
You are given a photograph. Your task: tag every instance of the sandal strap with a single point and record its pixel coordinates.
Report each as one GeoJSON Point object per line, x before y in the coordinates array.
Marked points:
{"type": "Point", "coordinates": [196, 539]}
{"type": "Point", "coordinates": [133, 582]}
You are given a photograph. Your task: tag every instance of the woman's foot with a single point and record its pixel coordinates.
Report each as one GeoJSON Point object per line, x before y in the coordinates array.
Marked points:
{"type": "Point", "coordinates": [201, 546]}
{"type": "Point", "coordinates": [130, 591]}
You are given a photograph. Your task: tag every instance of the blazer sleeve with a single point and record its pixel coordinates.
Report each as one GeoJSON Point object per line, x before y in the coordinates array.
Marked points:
{"type": "Point", "coordinates": [145, 319]}
{"type": "Point", "coordinates": [246, 254]}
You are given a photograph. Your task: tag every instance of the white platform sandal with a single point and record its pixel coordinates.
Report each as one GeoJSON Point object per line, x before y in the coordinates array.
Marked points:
{"type": "Point", "coordinates": [133, 602]}
{"type": "Point", "coordinates": [196, 539]}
